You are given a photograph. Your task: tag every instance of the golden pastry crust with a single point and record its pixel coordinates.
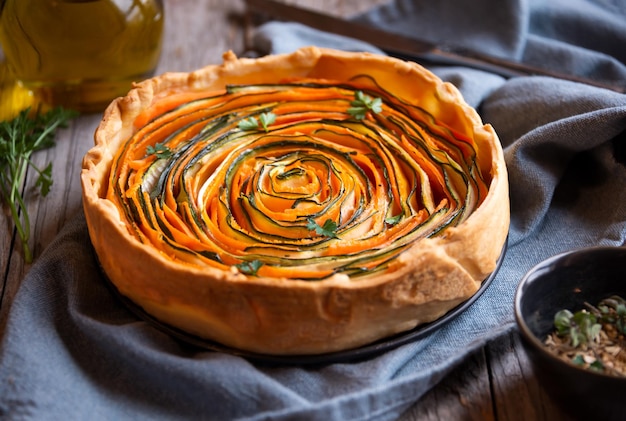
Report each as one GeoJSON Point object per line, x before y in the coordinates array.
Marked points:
{"type": "Point", "coordinates": [281, 316]}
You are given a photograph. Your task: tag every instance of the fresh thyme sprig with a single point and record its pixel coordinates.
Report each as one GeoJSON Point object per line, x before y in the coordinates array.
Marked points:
{"type": "Point", "coordinates": [19, 139]}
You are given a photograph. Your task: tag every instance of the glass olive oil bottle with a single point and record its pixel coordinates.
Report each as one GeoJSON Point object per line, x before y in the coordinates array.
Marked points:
{"type": "Point", "coordinates": [81, 53]}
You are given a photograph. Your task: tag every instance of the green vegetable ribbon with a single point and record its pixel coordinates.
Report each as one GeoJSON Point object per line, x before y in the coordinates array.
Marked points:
{"type": "Point", "coordinates": [289, 181]}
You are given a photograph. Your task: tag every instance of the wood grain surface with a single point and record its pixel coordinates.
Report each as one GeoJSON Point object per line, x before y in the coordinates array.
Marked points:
{"type": "Point", "coordinates": [495, 383]}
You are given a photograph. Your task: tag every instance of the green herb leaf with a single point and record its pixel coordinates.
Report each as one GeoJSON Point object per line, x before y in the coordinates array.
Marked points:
{"type": "Point", "coordinates": [590, 331]}
{"type": "Point", "coordinates": [597, 365]}
{"type": "Point", "coordinates": [579, 327]}
{"type": "Point", "coordinates": [613, 311]}
{"type": "Point", "coordinates": [249, 268]}
{"type": "Point", "coordinates": [249, 123]}
{"type": "Point", "coordinates": [44, 181]}
{"type": "Point", "coordinates": [329, 229]}
{"type": "Point", "coordinates": [266, 119]}
{"type": "Point", "coordinates": [393, 220]}
{"type": "Point", "coordinates": [363, 103]}
{"type": "Point", "coordinates": [586, 323]}
{"type": "Point", "coordinates": [19, 139]}
{"type": "Point", "coordinates": [620, 323]}
{"type": "Point", "coordinates": [562, 321]}
{"type": "Point", "coordinates": [160, 150]}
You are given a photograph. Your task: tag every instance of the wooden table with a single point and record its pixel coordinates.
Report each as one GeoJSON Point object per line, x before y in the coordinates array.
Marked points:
{"type": "Point", "coordinates": [495, 383]}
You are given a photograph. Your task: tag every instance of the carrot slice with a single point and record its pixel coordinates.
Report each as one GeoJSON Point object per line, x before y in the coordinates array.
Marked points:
{"type": "Point", "coordinates": [207, 180]}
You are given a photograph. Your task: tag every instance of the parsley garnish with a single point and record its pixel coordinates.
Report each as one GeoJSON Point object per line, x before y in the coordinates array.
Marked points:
{"type": "Point", "coordinates": [363, 103]}
{"type": "Point", "coordinates": [266, 119]}
{"type": "Point", "coordinates": [329, 229]}
{"type": "Point", "coordinates": [19, 138]}
{"type": "Point", "coordinates": [249, 268]}
{"type": "Point", "coordinates": [160, 150]}
{"type": "Point", "coordinates": [251, 123]}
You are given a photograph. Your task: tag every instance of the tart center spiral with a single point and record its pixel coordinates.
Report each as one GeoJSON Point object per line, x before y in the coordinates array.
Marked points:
{"type": "Point", "coordinates": [299, 180]}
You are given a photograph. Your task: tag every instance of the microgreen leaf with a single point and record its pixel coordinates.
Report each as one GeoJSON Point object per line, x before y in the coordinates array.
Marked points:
{"type": "Point", "coordinates": [159, 150]}
{"type": "Point", "coordinates": [266, 119]}
{"type": "Point", "coordinates": [579, 327]}
{"type": "Point", "coordinates": [586, 323]}
{"type": "Point", "coordinates": [562, 320]}
{"type": "Point", "coordinates": [593, 333]}
{"type": "Point", "coordinates": [329, 229]}
{"type": "Point", "coordinates": [249, 267]}
{"type": "Point", "coordinates": [597, 365]}
{"type": "Point", "coordinates": [613, 311]}
{"type": "Point", "coordinates": [249, 123]}
{"type": "Point", "coordinates": [393, 220]}
{"type": "Point", "coordinates": [363, 103]}
{"type": "Point", "coordinates": [620, 323]}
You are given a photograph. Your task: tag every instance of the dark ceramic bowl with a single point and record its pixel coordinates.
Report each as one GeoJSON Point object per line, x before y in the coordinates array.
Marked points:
{"type": "Point", "coordinates": [567, 281]}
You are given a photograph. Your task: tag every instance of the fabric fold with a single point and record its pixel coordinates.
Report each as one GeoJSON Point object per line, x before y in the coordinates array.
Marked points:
{"type": "Point", "coordinates": [580, 37]}
{"type": "Point", "coordinates": [470, 25]}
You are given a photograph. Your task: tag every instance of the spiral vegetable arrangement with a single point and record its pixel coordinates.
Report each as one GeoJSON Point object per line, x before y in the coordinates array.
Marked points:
{"type": "Point", "coordinates": [299, 180]}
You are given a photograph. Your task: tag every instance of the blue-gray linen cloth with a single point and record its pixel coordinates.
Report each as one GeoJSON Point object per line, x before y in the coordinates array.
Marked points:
{"type": "Point", "coordinates": [72, 351]}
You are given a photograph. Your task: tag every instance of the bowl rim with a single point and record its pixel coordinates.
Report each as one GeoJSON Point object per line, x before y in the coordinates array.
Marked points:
{"type": "Point", "coordinates": [530, 337]}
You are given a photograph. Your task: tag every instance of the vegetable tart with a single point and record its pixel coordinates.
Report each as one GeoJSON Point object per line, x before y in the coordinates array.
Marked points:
{"type": "Point", "coordinates": [296, 204]}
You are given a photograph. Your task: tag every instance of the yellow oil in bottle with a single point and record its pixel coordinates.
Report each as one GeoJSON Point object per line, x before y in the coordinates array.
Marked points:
{"type": "Point", "coordinates": [81, 54]}
{"type": "Point", "coordinates": [14, 97]}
